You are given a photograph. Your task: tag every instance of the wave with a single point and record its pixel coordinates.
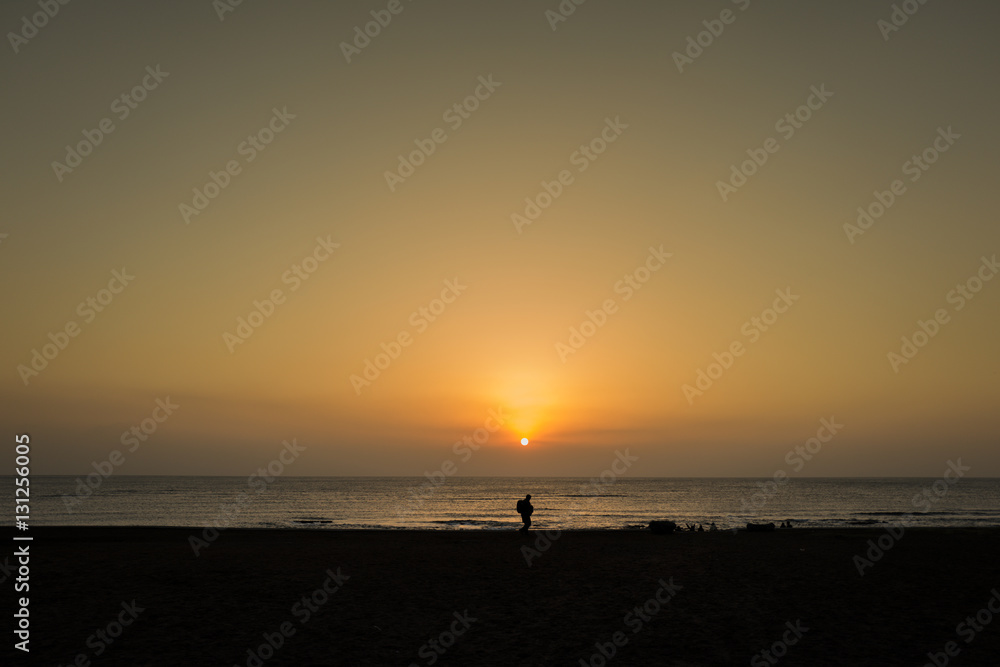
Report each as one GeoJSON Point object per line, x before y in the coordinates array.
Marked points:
{"type": "Point", "coordinates": [474, 522]}
{"type": "Point", "coordinates": [941, 513]}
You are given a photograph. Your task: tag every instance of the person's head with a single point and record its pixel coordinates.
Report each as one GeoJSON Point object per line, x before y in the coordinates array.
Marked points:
{"type": "Point", "coordinates": [528, 497]}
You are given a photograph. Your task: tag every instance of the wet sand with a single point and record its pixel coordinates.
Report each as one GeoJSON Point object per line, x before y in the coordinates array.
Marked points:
{"type": "Point", "coordinates": [380, 597]}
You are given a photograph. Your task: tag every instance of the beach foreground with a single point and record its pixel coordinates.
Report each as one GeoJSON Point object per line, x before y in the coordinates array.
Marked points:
{"type": "Point", "coordinates": [316, 597]}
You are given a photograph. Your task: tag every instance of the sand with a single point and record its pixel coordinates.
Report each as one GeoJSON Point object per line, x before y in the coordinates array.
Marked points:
{"type": "Point", "coordinates": [379, 597]}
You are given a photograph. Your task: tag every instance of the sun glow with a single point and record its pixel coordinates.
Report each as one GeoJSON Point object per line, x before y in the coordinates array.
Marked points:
{"type": "Point", "coordinates": [526, 396]}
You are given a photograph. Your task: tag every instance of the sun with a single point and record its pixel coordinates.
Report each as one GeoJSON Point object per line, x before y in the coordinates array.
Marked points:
{"type": "Point", "coordinates": [524, 441]}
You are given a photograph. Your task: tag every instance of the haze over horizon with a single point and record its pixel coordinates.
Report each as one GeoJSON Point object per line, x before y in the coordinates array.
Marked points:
{"type": "Point", "coordinates": [600, 245]}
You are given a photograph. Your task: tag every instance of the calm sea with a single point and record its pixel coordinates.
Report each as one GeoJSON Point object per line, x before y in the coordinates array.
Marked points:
{"type": "Point", "coordinates": [488, 502]}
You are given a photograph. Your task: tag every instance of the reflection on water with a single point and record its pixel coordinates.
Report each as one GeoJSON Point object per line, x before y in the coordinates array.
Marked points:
{"type": "Point", "coordinates": [487, 503]}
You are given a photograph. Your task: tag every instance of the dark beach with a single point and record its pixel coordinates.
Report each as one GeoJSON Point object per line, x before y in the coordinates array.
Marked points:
{"type": "Point", "coordinates": [379, 597]}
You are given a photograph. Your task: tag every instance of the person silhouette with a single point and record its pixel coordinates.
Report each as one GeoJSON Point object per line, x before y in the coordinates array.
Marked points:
{"type": "Point", "coordinates": [524, 508]}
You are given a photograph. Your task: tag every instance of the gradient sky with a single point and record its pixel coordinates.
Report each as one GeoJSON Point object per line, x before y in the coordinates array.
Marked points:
{"type": "Point", "coordinates": [495, 346]}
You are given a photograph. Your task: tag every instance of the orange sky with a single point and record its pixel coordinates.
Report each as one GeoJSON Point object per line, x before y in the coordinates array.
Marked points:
{"type": "Point", "coordinates": [303, 208]}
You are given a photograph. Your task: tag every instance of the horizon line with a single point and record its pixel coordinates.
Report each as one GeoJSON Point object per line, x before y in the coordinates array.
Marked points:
{"type": "Point", "coordinates": [788, 477]}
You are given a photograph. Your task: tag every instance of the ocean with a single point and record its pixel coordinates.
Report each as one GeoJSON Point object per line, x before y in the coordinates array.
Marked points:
{"type": "Point", "coordinates": [488, 503]}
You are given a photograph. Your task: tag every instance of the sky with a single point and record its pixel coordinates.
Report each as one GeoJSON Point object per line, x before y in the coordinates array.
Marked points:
{"type": "Point", "coordinates": [707, 233]}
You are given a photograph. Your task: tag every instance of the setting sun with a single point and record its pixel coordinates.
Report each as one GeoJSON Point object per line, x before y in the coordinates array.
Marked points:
{"type": "Point", "coordinates": [744, 298]}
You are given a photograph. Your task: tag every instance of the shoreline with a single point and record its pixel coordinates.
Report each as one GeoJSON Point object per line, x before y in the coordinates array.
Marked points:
{"type": "Point", "coordinates": [485, 531]}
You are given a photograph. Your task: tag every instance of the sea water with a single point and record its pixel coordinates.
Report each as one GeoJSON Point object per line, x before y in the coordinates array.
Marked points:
{"type": "Point", "coordinates": [489, 502]}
